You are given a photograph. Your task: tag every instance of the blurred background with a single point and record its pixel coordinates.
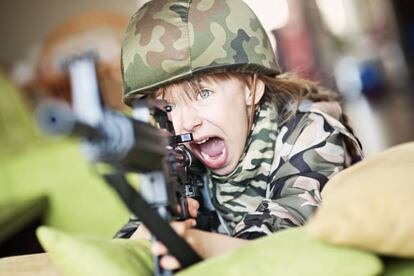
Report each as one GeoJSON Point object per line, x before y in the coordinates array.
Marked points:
{"type": "Point", "coordinates": [364, 50]}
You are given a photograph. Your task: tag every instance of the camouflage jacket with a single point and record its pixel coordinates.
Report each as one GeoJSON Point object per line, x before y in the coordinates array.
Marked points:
{"type": "Point", "coordinates": [281, 188]}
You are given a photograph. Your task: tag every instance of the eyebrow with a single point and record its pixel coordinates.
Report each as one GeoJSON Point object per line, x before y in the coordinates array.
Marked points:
{"type": "Point", "coordinates": [189, 87]}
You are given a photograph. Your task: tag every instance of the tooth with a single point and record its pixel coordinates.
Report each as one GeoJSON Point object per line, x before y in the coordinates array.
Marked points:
{"type": "Point", "coordinates": [206, 156]}
{"type": "Point", "coordinates": [203, 141]}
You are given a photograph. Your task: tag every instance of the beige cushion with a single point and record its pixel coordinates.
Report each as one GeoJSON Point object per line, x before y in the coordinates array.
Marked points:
{"type": "Point", "coordinates": [371, 205]}
{"type": "Point", "coordinates": [26, 265]}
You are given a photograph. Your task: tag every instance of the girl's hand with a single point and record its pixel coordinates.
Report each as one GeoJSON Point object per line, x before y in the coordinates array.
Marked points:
{"type": "Point", "coordinates": [182, 229]}
{"type": "Point", "coordinates": [206, 244]}
{"type": "Point", "coordinates": [192, 206]}
{"type": "Point", "coordinates": [143, 233]}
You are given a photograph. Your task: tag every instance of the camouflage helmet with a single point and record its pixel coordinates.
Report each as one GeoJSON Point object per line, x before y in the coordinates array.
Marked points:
{"type": "Point", "coordinates": [172, 40]}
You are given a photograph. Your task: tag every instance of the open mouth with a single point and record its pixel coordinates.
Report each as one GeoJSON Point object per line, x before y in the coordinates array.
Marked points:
{"type": "Point", "coordinates": [211, 151]}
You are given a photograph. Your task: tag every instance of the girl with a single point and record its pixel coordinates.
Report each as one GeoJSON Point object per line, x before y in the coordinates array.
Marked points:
{"type": "Point", "coordinates": [270, 141]}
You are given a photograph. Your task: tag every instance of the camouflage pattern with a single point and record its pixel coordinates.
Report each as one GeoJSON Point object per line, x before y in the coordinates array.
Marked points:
{"type": "Point", "coordinates": [171, 40]}
{"type": "Point", "coordinates": [279, 179]}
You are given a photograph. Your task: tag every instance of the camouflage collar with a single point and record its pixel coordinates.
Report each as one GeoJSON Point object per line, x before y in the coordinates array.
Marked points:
{"type": "Point", "coordinates": [250, 175]}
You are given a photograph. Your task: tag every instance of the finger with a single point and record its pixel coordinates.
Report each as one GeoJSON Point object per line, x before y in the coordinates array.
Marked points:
{"type": "Point", "coordinates": [193, 206]}
{"type": "Point", "coordinates": [190, 223]}
{"type": "Point", "coordinates": [158, 248]}
{"type": "Point", "coordinates": [181, 226]}
{"type": "Point", "coordinates": [169, 262]}
{"type": "Point", "coordinates": [141, 233]}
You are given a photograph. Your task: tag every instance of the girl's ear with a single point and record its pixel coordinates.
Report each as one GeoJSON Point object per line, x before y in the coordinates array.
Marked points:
{"type": "Point", "coordinates": [254, 93]}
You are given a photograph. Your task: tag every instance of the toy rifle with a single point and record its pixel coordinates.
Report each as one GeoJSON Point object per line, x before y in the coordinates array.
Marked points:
{"type": "Point", "coordinates": [168, 172]}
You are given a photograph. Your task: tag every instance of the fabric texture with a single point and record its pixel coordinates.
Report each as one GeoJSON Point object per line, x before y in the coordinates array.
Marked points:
{"type": "Point", "coordinates": [18, 214]}
{"type": "Point", "coordinates": [278, 181]}
{"type": "Point", "coordinates": [370, 205]}
{"type": "Point", "coordinates": [233, 195]}
{"type": "Point", "coordinates": [84, 256]}
{"type": "Point", "coordinates": [290, 252]}
{"type": "Point", "coordinates": [171, 40]}
{"type": "Point", "coordinates": [79, 255]}
{"type": "Point", "coordinates": [398, 267]}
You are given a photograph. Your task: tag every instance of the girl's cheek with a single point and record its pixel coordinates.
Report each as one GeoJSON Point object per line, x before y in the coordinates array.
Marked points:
{"type": "Point", "coordinates": [207, 107]}
{"type": "Point", "coordinates": [211, 111]}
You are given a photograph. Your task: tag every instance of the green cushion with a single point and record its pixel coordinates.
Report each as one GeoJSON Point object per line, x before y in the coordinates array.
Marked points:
{"type": "Point", "coordinates": [17, 133]}
{"type": "Point", "coordinates": [80, 200]}
{"type": "Point", "coordinates": [16, 215]}
{"type": "Point", "coordinates": [398, 267]}
{"type": "Point", "coordinates": [81, 255]}
{"type": "Point", "coordinates": [290, 252]}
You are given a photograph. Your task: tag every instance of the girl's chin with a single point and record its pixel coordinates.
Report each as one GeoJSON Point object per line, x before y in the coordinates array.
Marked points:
{"type": "Point", "coordinates": [223, 171]}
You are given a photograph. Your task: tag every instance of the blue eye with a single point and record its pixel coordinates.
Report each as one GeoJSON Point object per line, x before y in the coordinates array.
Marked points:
{"type": "Point", "coordinates": [170, 107]}
{"type": "Point", "coordinates": [204, 94]}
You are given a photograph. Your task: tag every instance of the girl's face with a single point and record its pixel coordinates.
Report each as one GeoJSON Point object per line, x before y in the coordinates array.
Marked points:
{"type": "Point", "coordinates": [216, 113]}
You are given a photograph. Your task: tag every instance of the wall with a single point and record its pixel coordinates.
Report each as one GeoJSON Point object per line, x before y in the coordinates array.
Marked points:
{"type": "Point", "coordinates": [24, 24]}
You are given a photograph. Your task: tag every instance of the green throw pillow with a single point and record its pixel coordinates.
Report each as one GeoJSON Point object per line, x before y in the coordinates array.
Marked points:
{"type": "Point", "coordinates": [85, 256]}
{"type": "Point", "coordinates": [398, 267]}
{"type": "Point", "coordinates": [290, 252]}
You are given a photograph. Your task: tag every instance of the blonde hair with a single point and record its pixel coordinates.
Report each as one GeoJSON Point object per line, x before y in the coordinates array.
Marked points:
{"type": "Point", "coordinates": [188, 88]}
{"type": "Point", "coordinates": [286, 91]}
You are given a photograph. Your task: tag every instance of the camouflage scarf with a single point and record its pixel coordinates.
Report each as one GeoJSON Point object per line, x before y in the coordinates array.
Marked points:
{"type": "Point", "coordinates": [241, 191]}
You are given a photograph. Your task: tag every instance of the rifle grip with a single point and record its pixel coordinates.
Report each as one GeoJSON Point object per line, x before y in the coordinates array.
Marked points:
{"type": "Point", "coordinates": [184, 214]}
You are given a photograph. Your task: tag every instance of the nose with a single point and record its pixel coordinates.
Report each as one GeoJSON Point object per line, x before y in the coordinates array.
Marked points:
{"type": "Point", "coordinates": [189, 119]}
